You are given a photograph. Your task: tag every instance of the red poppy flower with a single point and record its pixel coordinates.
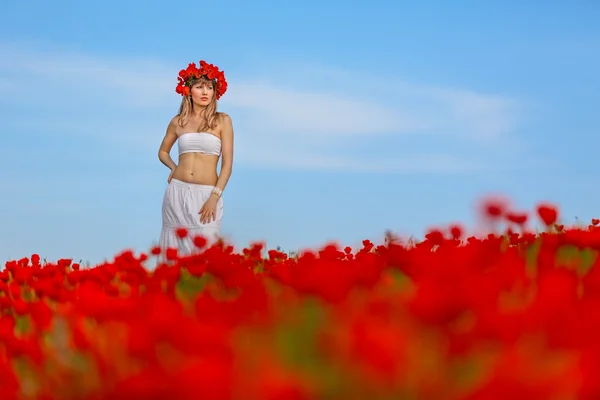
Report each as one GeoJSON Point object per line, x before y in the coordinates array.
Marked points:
{"type": "Point", "coordinates": [547, 213]}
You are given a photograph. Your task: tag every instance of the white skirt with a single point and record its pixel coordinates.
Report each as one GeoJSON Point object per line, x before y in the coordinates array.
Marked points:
{"type": "Point", "coordinates": [180, 209]}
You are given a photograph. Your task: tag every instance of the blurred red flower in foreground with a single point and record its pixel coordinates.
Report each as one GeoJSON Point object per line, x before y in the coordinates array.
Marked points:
{"type": "Point", "coordinates": [453, 317]}
{"type": "Point", "coordinates": [494, 207]}
{"type": "Point", "coordinates": [547, 213]}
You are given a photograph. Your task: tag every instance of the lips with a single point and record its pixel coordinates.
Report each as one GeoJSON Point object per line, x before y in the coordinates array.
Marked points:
{"type": "Point", "coordinates": [203, 98]}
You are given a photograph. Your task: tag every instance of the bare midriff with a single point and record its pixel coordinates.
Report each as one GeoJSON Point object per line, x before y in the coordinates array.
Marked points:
{"type": "Point", "coordinates": [197, 168]}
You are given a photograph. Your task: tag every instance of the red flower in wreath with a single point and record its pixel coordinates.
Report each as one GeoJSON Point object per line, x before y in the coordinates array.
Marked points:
{"type": "Point", "coordinates": [207, 71]}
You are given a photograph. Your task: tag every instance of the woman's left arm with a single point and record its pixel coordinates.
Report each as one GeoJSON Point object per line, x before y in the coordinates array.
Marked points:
{"type": "Point", "coordinates": [226, 151]}
{"type": "Point", "coordinates": [208, 211]}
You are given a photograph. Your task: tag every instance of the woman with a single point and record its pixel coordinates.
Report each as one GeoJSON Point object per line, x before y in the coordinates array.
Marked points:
{"type": "Point", "coordinates": [193, 199]}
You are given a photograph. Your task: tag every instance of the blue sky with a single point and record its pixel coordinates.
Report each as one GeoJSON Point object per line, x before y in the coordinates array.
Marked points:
{"type": "Point", "coordinates": [350, 118]}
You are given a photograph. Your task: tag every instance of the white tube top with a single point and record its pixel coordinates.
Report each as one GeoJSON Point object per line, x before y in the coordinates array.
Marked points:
{"type": "Point", "coordinates": [199, 142]}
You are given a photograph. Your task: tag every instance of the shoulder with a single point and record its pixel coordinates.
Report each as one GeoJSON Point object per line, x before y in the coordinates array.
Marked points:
{"type": "Point", "coordinates": [224, 118]}
{"type": "Point", "coordinates": [225, 126]}
{"type": "Point", "coordinates": [174, 121]}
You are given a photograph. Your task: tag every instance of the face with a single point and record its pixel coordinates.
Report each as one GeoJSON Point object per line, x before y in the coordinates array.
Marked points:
{"type": "Point", "coordinates": [202, 93]}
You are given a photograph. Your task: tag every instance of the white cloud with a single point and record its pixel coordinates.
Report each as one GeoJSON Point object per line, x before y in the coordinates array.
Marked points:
{"type": "Point", "coordinates": [138, 82]}
{"type": "Point", "coordinates": [414, 108]}
{"type": "Point", "coordinates": [277, 124]}
{"type": "Point", "coordinates": [414, 164]}
{"type": "Point", "coordinates": [483, 117]}
{"type": "Point", "coordinates": [301, 112]}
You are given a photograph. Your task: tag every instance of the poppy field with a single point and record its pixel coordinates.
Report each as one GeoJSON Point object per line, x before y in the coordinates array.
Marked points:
{"type": "Point", "coordinates": [511, 314]}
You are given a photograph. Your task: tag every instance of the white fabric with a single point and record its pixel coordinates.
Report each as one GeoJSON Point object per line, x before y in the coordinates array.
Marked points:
{"type": "Point", "coordinates": [199, 142]}
{"type": "Point", "coordinates": [180, 209]}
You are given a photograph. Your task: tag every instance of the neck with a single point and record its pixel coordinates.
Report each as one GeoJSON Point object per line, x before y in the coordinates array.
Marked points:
{"type": "Point", "coordinates": [198, 111]}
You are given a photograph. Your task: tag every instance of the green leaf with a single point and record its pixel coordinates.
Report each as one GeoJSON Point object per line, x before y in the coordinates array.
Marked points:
{"type": "Point", "coordinates": [22, 324]}
{"type": "Point", "coordinates": [189, 286]}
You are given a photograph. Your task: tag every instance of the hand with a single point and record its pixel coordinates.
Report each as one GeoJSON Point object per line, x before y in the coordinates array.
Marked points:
{"type": "Point", "coordinates": [208, 212]}
{"type": "Point", "coordinates": [170, 176]}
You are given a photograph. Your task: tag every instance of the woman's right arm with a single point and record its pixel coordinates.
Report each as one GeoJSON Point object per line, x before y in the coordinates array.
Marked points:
{"type": "Point", "coordinates": [166, 145]}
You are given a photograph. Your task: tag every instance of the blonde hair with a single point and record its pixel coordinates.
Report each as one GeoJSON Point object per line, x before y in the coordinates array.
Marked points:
{"type": "Point", "coordinates": [209, 114]}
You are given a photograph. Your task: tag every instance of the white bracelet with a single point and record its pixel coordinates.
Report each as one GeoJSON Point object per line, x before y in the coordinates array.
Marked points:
{"type": "Point", "coordinates": [217, 191]}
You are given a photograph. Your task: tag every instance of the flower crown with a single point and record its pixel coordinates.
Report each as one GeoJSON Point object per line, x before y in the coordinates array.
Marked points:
{"type": "Point", "coordinates": [207, 71]}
